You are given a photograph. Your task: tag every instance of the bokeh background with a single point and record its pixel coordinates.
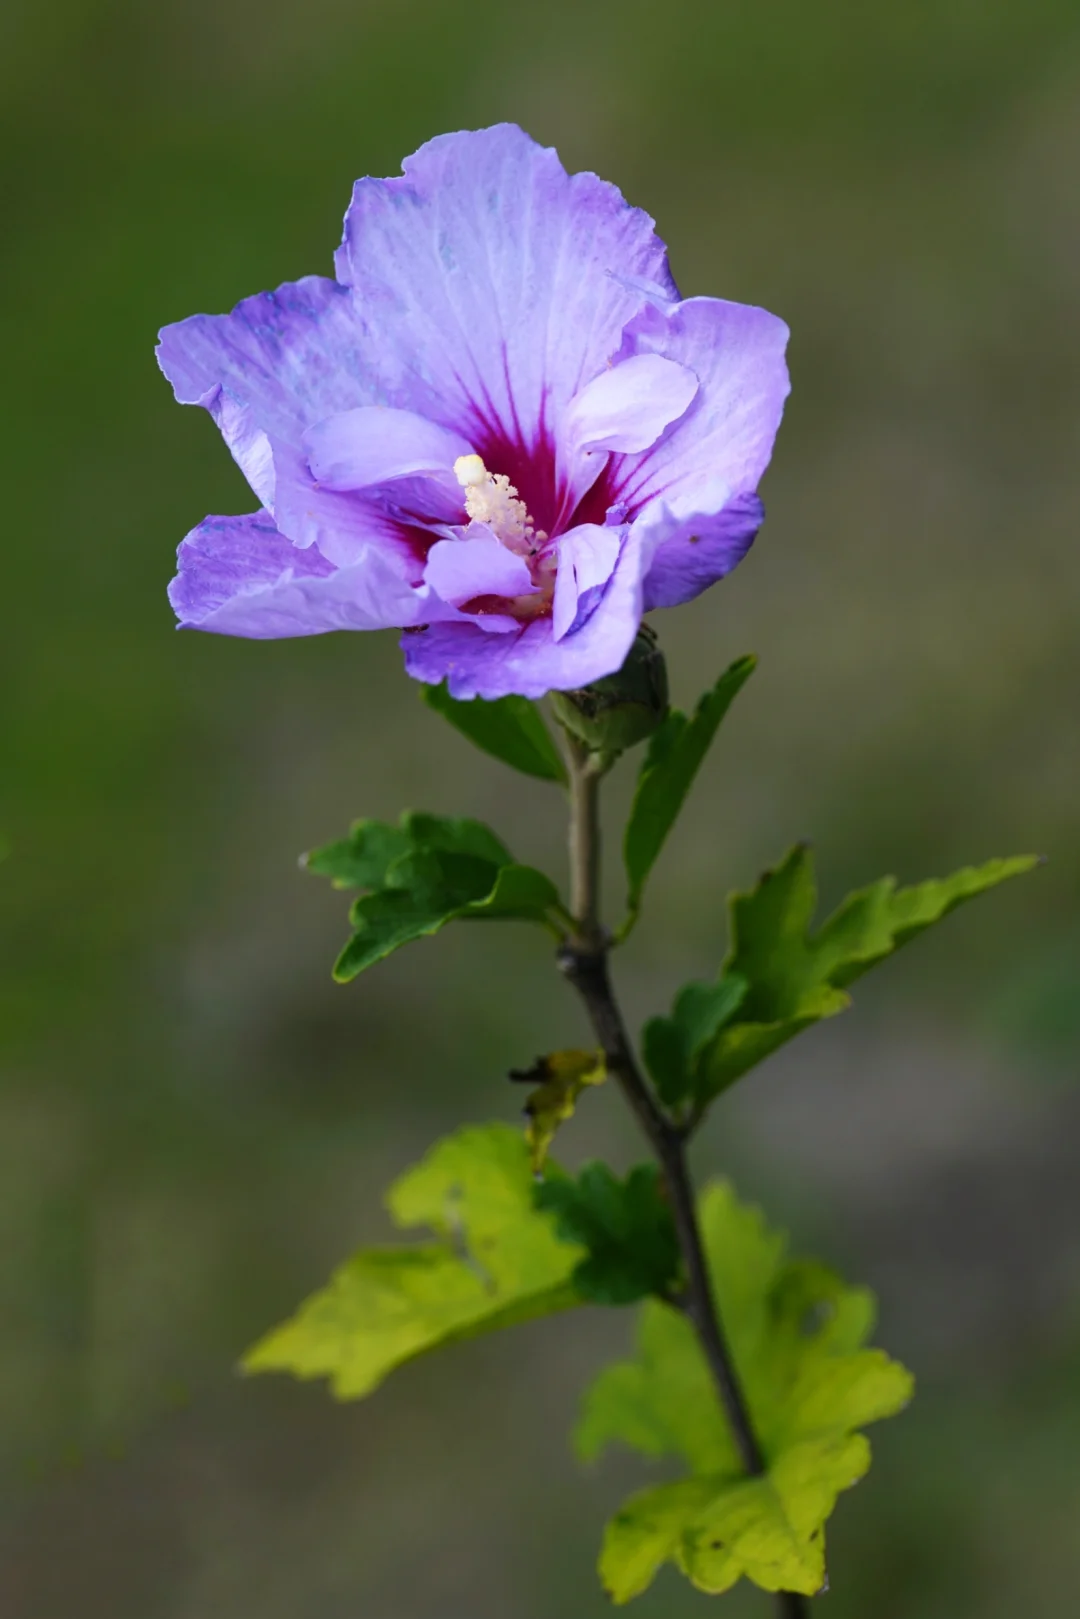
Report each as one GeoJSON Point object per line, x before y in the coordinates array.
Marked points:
{"type": "Point", "coordinates": [195, 1124]}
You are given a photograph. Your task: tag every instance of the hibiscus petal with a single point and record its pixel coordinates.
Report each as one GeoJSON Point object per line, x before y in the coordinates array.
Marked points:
{"type": "Point", "coordinates": [374, 444]}
{"type": "Point", "coordinates": [529, 661]}
{"type": "Point", "coordinates": [345, 524]}
{"type": "Point", "coordinates": [240, 576]}
{"type": "Point", "coordinates": [279, 363]}
{"type": "Point", "coordinates": [587, 558]}
{"type": "Point", "coordinates": [483, 280]}
{"type": "Point", "coordinates": [691, 489]}
{"type": "Point", "coordinates": [737, 353]}
{"type": "Point", "coordinates": [695, 548]}
{"type": "Point", "coordinates": [478, 565]}
{"type": "Point", "coordinates": [628, 406]}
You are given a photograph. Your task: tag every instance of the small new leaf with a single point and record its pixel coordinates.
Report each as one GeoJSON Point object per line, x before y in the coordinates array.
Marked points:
{"type": "Point", "coordinates": [426, 871]}
{"type": "Point", "coordinates": [495, 1260]}
{"type": "Point", "coordinates": [795, 977]}
{"type": "Point", "coordinates": [559, 1080]}
{"type": "Point", "coordinates": [511, 729]}
{"type": "Point", "coordinates": [625, 1226]}
{"type": "Point", "coordinates": [673, 760]}
{"type": "Point", "coordinates": [798, 1337]}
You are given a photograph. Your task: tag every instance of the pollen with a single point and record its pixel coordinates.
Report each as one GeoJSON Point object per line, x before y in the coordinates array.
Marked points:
{"type": "Point", "coordinates": [492, 499]}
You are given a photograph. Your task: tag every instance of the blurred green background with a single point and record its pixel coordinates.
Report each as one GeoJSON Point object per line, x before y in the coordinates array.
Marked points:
{"type": "Point", "coordinates": [195, 1124]}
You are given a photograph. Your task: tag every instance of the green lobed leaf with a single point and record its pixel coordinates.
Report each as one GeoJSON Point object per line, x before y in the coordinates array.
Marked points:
{"type": "Point", "coordinates": [365, 857]}
{"type": "Point", "coordinates": [511, 729]}
{"type": "Point", "coordinates": [648, 1532]}
{"type": "Point", "coordinates": [495, 1261]}
{"type": "Point", "coordinates": [795, 977]}
{"type": "Point", "coordinates": [673, 760]}
{"type": "Point", "coordinates": [702, 1010]}
{"type": "Point", "coordinates": [625, 1226]}
{"type": "Point", "coordinates": [362, 859]}
{"type": "Point", "coordinates": [441, 889]}
{"type": "Point", "coordinates": [674, 1047]}
{"type": "Point", "coordinates": [426, 871]}
{"type": "Point", "coordinates": [453, 834]}
{"type": "Point", "coordinates": [716, 1530]}
{"type": "Point", "coordinates": [798, 1337]}
{"type": "Point", "coordinates": [521, 894]}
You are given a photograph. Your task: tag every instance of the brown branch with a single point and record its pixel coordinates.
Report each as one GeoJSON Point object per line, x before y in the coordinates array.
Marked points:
{"type": "Point", "coordinates": [584, 961]}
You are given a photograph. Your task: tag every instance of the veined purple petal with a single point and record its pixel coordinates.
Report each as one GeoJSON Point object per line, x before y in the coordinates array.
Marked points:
{"type": "Point", "coordinates": [628, 406]}
{"type": "Point", "coordinates": [695, 488]}
{"type": "Point", "coordinates": [529, 661]}
{"type": "Point", "coordinates": [695, 548]}
{"type": "Point", "coordinates": [587, 558]}
{"type": "Point", "coordinates": [374, 444]}
{"type": "Point", "coordinates": [240, 576]}
{"type": "Point", "coordinates": [477, 565]}
{"type": "Point", "coordinates": [737, 354]}
{"type": "Point", "coordinates": [482, 281]}
{"type": "Point", "coordinates": [346, 526]}
{"type": "Point", "coordinates": [279, 363]}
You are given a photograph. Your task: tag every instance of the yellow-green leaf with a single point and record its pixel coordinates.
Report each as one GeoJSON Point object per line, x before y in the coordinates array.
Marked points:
{"type": "Point", "coordinates": [496, 1261]}
{"type": "Point", "coordinates": [648, 1532]}
{"type": "Point", "coordinates": [717, 1529]}
{"type": "Point", "coordinates": [798, 1338]}
{"type": "Point", "coordinates": [772, 1529]}
{"type": "Point", "coordinates": [559, 1080]}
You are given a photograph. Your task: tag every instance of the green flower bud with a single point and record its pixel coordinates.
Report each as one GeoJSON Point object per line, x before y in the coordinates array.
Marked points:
{"type": "Point", "coordinates": [613, 714]}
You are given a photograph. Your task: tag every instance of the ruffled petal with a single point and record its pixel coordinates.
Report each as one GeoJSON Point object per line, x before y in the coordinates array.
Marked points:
{"type": "Point", "coordinates": [374, 444]}
{"type": "Point", "coordinates": [484, 281]}
{"type": "Point", "coordinates": [628, 405]}
{"type": "Point", "coordinates": [694, 488]}
{"type": "Point", "coordinates": [477, 565]}
{"type": "Point", "coordinates": [587, 558]}
{"type": "Point", "coordinates": [279, 363]}
{"type": "Point", "coordinates": [695, 548]}
{"type": "Point", "coordinates": [737, 353]}
{"type": "Point", "coordinates": [240, 576]}
{"type": "Point", "coordinates": [344, 526]}
{"type": "Point", "coordinates": [529, 661]}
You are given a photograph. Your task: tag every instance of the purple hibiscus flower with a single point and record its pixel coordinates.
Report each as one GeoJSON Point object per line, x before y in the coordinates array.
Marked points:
{"type": "Point", "coordinates": [499, 429]}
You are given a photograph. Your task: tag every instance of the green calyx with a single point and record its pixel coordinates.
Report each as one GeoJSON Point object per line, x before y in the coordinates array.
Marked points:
{"type": "Point", "coordinates": [613, 714]}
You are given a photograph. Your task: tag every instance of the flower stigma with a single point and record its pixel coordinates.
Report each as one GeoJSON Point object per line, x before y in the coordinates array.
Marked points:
{"type": "Point", "coordinates": [492, 499]}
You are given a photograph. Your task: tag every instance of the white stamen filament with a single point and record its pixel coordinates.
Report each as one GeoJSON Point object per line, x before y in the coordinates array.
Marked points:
{"type": "Point", "coordinates": [492, 499]}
